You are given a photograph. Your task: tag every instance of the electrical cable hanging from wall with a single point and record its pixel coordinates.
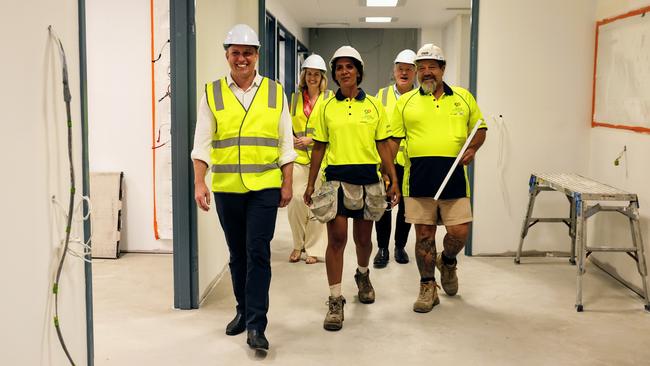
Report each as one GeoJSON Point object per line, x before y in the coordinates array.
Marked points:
{"type": "Point", "coordinates": [153, 125]}
{"type": "Point", "coordinates": [67, 97]}
{"type": "Point", "coordinates": [160, 125]}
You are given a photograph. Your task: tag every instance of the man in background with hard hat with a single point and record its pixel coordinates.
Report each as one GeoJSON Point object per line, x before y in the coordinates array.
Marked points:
{"type": "Point", "coordinates": [404, 76]}
{"type": "Point", "coordinates": [243, 133]}
{"type": "Point", "coordinates": [435, 121]}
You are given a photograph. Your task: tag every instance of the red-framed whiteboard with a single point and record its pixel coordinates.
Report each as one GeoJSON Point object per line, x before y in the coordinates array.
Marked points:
{"type": "Point", "coordinates": [621, 79]}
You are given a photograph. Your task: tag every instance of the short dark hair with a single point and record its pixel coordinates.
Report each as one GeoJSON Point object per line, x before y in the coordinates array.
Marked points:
{"type": "Point", "coordinates": [357, 64]}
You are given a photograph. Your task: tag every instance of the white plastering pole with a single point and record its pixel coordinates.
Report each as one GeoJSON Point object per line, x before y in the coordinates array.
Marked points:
{"type": "Point", "coordinates": [460, 155]}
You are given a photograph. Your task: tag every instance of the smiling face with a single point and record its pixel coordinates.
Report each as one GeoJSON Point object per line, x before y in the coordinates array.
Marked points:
{"type": "Point", "coordinates": [346, 74]}
{"type": "Point", "coordinates": [430, 74]}
{"type": "Point", "coordinates": [242, 60]}
{"type": "Point", "coordinates": [404, 75]}
{"type": "Point", "coordinates": [313, 77]}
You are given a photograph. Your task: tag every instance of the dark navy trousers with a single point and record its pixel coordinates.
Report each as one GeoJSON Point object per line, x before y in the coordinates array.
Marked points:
{"type": "Point", "coordinates": [402, 228]}
{"type": "Point", "coordinates": [248, 221]}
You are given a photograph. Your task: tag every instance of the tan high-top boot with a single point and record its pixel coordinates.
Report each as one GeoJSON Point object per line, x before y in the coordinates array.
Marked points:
{"type": "Point", "coordinates": [428, 297]}
{"type": "Point", "coordinates": [334, 317]}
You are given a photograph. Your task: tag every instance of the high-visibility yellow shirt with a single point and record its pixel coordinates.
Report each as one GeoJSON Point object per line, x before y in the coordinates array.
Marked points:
{"type": "Point", "coordinates": [388, 97]}
{"type": "Point", "coordinates": [434, 131]}
{"type": "Point", "coordinates": [351, 127]}
{"type": "Point", "coordinates": [303, 125]}
{"type": "Point", "coordinates": [244, 154]}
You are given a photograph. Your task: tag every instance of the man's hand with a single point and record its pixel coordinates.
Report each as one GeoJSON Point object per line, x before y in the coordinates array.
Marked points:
{"type": "Point", "coordinates": [393, 194]}
{"type": "Point", "coordinates": [286, 192]}
{"type": "Point", "coordinates": [306, 197]}
{"type": "Point", "coordinates": [468, 156]}
{"type": "Point", "coordinates": [202, 195]}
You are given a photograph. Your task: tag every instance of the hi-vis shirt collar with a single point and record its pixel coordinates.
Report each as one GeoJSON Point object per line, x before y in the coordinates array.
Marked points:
{"type": "Point", "coordinates": [361, 96]}
{"type": "Point", "coordinates": [446, 88]}
{"type": "Point", "coordinates": [257, 81]}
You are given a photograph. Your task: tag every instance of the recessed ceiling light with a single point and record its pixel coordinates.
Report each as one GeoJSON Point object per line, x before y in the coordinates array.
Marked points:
{"type": "Point", "coordinates": [383, 3]}
{"type": "Point", "coordinates": [378, 19]}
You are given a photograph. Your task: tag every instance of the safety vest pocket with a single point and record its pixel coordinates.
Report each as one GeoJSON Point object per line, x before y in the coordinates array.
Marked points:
{"type": "Point", "coordinates": [352, 196]}
{"type": "Point", "coordinates": [375, 201]}
{"type": "Point", "coordinates": [325, 202]}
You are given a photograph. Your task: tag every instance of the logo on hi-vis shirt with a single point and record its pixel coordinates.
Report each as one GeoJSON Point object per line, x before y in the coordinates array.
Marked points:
{"type": "Point", "coordinates": [367, 115]}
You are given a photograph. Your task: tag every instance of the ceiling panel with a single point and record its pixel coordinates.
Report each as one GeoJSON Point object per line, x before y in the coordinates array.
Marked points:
{"type": "Point", "coordinates": [347, 13]}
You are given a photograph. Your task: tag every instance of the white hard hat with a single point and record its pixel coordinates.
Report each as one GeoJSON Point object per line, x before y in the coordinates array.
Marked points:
{"type": "Point", "coordinates": [346, 51]}
{"type": "Point", "coordinates": [430, 52]}
{"type": "Point", "coordinates": [314, 62]}
{"type": "Point", "coordinates": [406, 57]}
{"type": "Point", "coordinates": [241, 34]}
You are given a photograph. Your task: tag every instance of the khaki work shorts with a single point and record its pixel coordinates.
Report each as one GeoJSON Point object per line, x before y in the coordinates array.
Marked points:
{"type": "Point", "coordinates": [427, 211]}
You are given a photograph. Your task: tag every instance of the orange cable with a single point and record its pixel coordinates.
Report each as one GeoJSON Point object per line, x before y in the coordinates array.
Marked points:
{"type": "Point", "coordinates": [153, 125]}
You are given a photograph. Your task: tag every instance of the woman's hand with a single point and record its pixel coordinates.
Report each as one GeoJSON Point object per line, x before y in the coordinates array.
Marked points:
{"type": "Point", "coordinates": [307, 195]}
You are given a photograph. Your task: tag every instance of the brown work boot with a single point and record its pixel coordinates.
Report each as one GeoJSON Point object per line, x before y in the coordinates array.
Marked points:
{"type": "Point", "coordinates": [366, 292]}
{"type": "Point", "coordinates": [448, 278]}
{"type": "Point", "coordinates": [428, 297]}
{"type": "Point", "coordinates": [334, 316]}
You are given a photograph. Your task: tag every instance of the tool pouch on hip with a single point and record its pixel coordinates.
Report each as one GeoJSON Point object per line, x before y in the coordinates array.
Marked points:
{"type": "Point", "coordinates": [352, 196]}
{"type": "Point", "coordinates": [325, 202]}
{"type": "Point", "coordinates": [375, 201]}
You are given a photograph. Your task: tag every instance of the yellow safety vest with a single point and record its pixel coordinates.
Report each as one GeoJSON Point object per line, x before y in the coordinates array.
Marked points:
{"type": "Point", "coordinates": [389, 99]}
{"type": "Point", "coordinates": [303, 125]}
{"type": "Point", "coordinates": [245, 150]}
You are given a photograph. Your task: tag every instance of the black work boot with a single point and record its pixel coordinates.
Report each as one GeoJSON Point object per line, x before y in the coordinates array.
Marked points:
{"type": "Point", "coordinates": [381, 258]}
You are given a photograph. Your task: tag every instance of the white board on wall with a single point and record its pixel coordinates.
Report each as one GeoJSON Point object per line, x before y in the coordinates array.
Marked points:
{"type": "Point", "coordinates": [622, 72]}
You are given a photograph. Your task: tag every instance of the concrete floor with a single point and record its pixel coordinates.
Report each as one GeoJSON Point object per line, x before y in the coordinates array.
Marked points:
{"type": "Point", "coordinates": [503, 315]}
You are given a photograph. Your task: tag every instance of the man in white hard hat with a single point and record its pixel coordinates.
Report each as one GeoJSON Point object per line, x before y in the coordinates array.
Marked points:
{"type": "Point", "coordinates": [404, 76]}
{"type": "Point", "coordinates": [243, 133]}
{"type": "Point", "coordinates": [435, 121]}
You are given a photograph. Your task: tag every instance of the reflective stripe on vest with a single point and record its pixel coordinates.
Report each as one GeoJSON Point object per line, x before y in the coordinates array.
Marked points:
{"type": "Point", "coordinates": [245, 141]}
{"type": "Point", "coordinates": [243, 168]}
{"type": "Point", "coordinates": [384, 96]}
{"type": "Point", "coordinates": [309, 131]}
{"type": "Point", "coordinates": [273, 93]}
{"type": "Point", "coordinates": [294, 103]}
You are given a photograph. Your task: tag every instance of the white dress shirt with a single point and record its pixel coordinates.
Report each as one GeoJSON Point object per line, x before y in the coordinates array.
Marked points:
{"type": "Point", "coordinates": [206, 124]}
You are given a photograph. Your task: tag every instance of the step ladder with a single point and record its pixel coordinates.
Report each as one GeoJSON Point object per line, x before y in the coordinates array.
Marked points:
{"type": "Point", "coordinates": [585, 197]}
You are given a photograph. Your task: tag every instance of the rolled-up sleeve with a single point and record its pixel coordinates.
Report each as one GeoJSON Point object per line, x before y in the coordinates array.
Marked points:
{"type": "Point", "coordinates": [205, 128]}
{"type": "Point", "coordinates": [285, 132]}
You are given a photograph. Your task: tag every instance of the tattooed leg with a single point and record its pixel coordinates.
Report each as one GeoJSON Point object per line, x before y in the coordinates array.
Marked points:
{"type": "Point", "coordinates": [455, 239]}
{"type": "Point", "coordinates": [425, 250]}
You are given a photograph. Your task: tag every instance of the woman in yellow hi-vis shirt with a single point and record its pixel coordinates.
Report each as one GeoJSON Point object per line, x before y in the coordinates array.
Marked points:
{"type": "Point", "coordinates": [354, 128]}
{"type": "Point", "coordinates": [312, 91]}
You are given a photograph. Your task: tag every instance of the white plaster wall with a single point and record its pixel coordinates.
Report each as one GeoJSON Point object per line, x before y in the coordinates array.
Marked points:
{"type": "Point", "coordinates": [213, 20]}
{"type": "Point", "coordinates": [606, 144]}
{"type": "Point", "coordinates": [455, 45]}
{"type": "Point", "coordinates": [540, 82]}
{"type": "Point", "coordinates": [430, 35]}
{"type": "Point", "coordinates": [119, 111]}
{"type": "Point", "coordinates": [33, 146]}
